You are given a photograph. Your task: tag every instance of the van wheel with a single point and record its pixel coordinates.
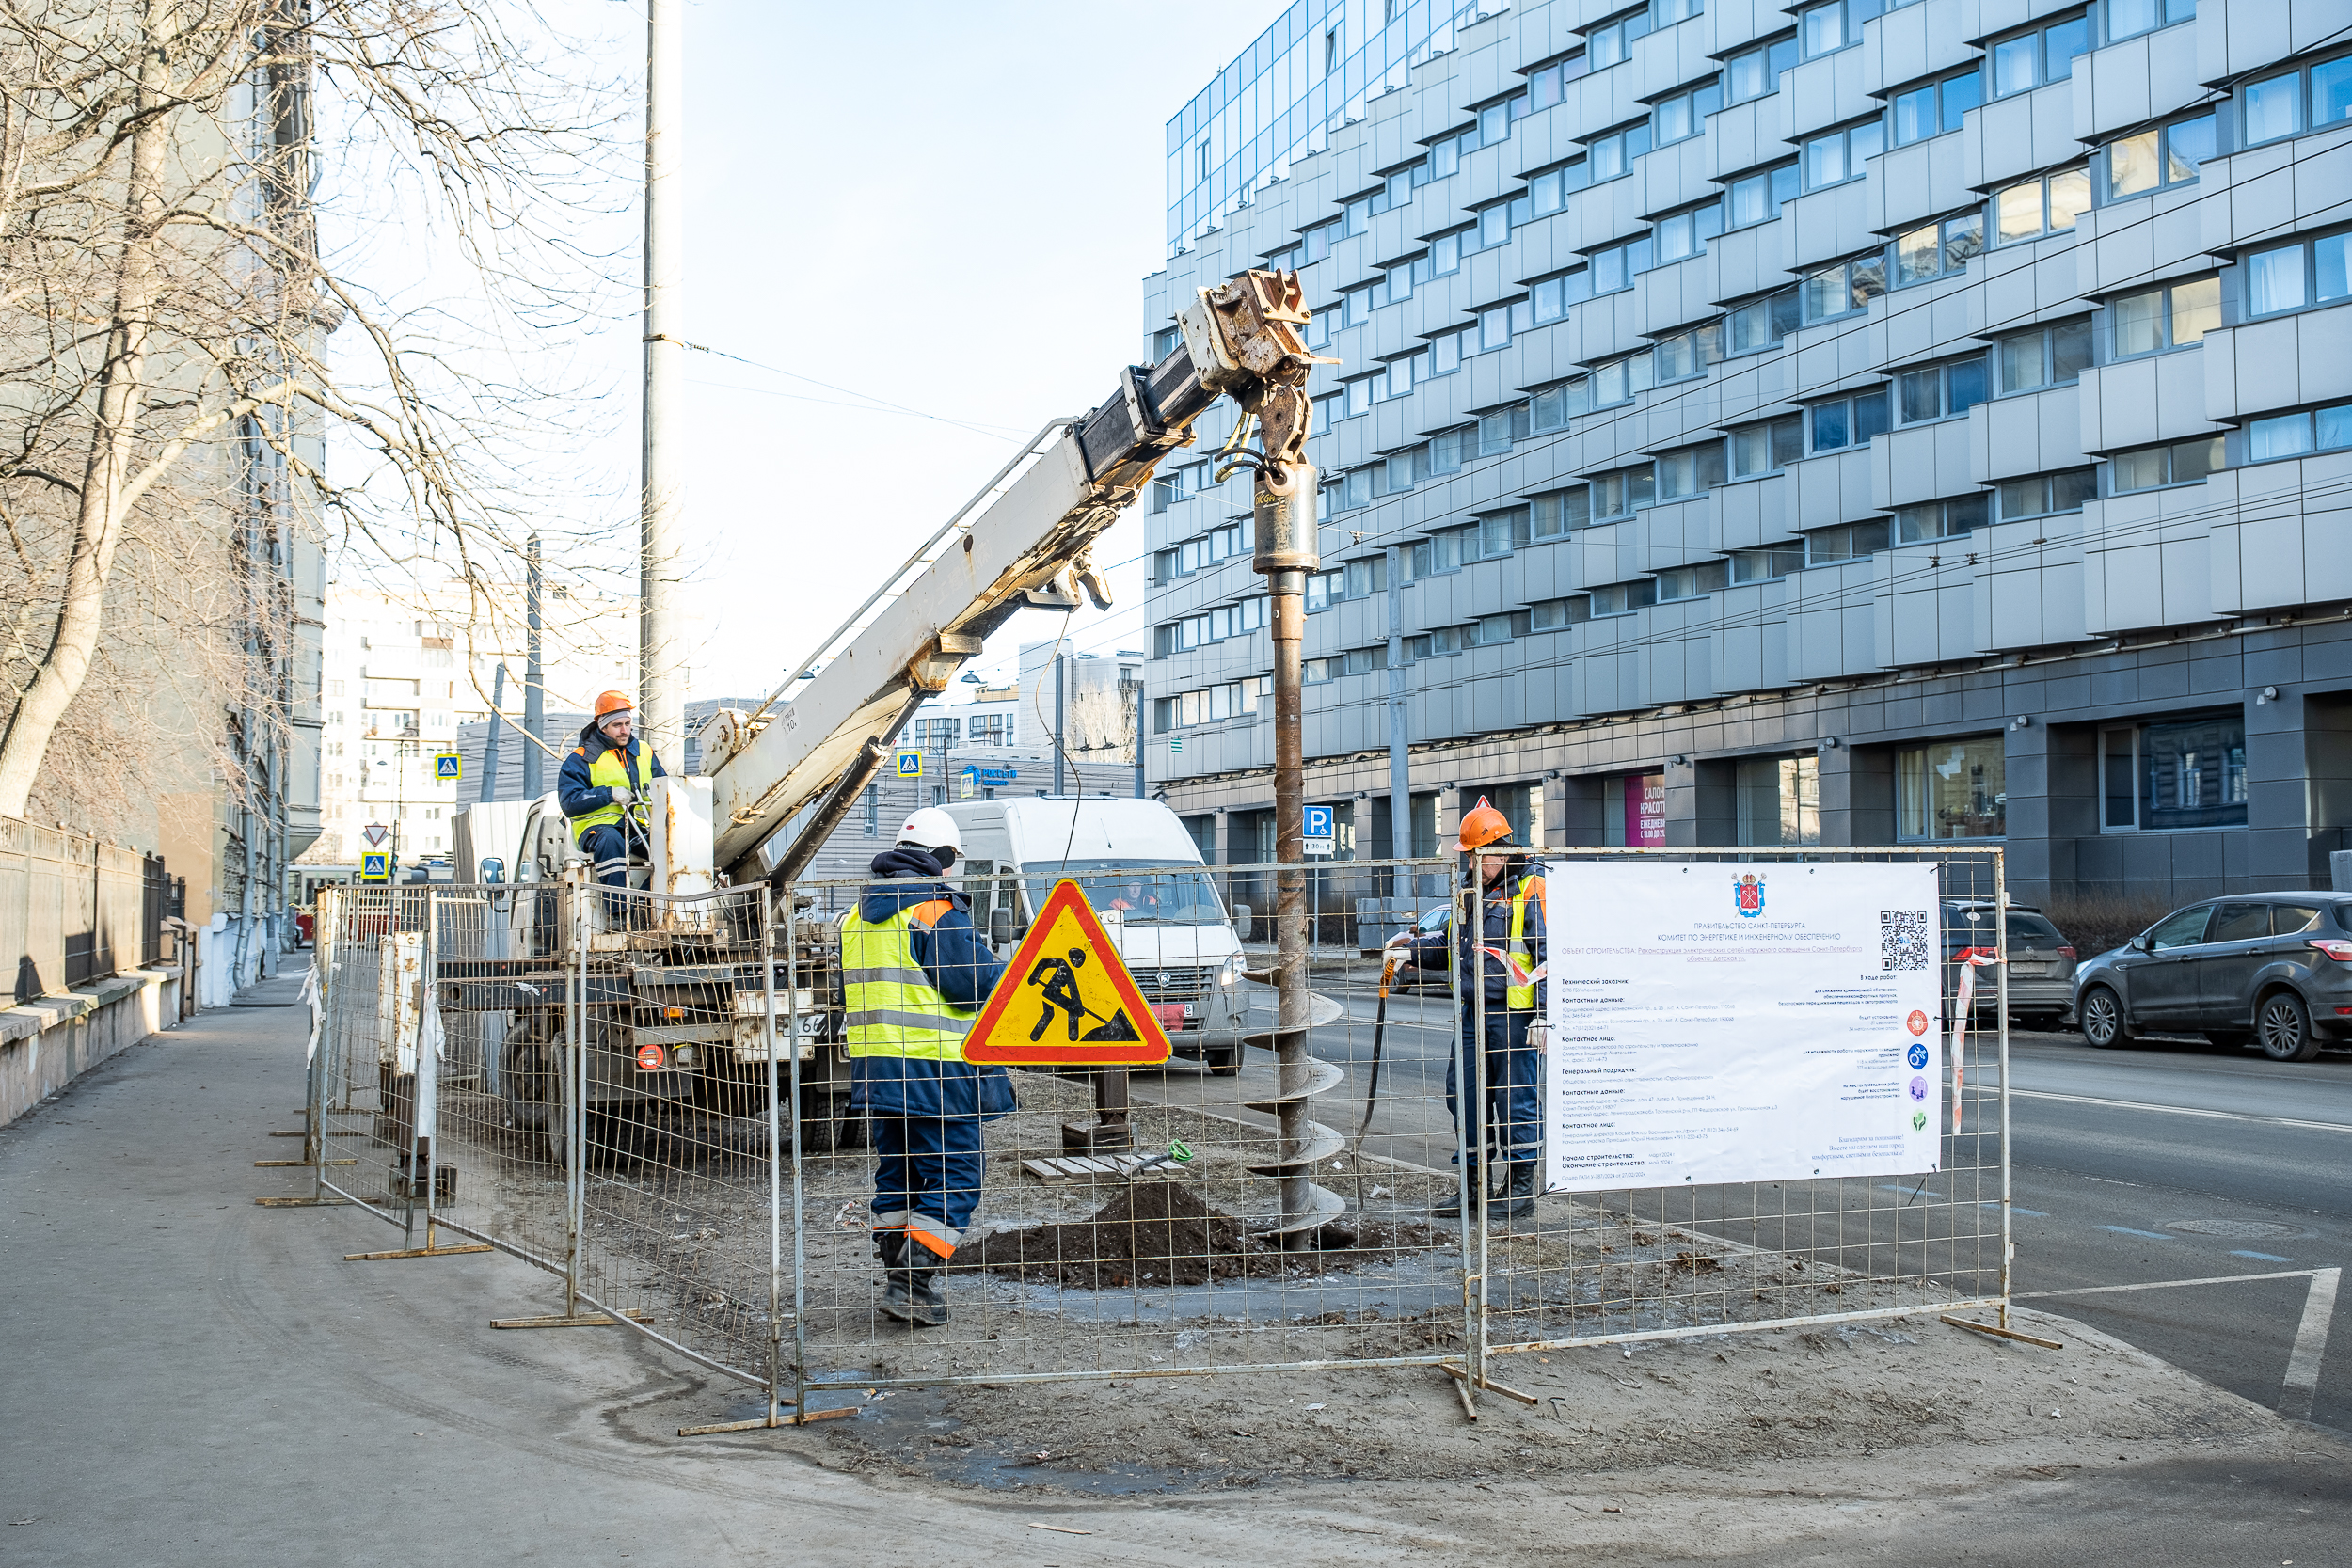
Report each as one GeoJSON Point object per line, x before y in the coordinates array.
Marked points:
{"type": "Point", "coordinates": [2284, 1025]}
{"type": "Point", "coordinates": [2105, 1024]}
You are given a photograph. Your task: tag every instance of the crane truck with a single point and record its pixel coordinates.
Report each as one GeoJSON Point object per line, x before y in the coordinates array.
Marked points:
{"type": "Point", "coordinates": [671, 997]}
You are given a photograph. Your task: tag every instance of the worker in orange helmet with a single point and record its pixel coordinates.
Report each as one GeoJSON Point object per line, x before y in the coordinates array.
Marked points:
{"type": "Point", "coordinates": [1507, 955]}
{"type": "Point", "coordinates": [606, 787]}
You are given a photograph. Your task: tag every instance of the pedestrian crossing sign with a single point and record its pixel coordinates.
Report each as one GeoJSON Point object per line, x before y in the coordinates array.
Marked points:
{"type": "Point", "coordinates": [909, 764]}
{"type": "Point", "coordinates": [1067, 1000]}
{"type": "Point", "coordinates": [375, 866]}
{"type": "Point", "coordinates": [448, 766]}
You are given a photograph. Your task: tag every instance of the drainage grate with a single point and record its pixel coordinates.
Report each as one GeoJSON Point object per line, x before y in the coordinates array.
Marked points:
{"type": "Point", "coordinates": [2243, 1229]}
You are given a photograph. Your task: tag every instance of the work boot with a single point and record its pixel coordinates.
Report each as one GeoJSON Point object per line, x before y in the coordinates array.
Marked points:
{"type": "Point", "coordinates": [1452, 1208]}
{"type": "Point", "coordinates": [1519, 1201]}
{"type": "Point", "coordinates": [926, 1307]}
{"type": "Point", "coordinates": [897, 1279]}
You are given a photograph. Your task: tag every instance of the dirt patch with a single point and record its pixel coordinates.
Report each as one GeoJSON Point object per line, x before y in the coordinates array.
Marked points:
{"type": "Point", "coordinates": [1162, 1233]}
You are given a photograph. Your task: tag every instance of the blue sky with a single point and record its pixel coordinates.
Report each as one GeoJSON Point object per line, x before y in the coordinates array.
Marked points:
{"type": "Point", "coordinates": [878, 194]}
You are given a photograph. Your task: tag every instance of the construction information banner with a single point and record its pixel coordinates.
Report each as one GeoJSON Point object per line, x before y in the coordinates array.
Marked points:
{"type": "Point", "coordinates": [1727, 1023]}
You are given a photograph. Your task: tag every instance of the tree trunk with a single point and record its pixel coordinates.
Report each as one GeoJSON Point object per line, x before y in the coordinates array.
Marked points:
{"type": "Point", "coordinates": [122, 405]}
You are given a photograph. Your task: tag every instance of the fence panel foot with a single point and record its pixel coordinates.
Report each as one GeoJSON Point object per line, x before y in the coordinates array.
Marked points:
{"type": "Point", "coordinates": [577, 1320]}
{"type": "Point", "coordinates": [1999, 1333]}
{"type": "Point", "coordinates": [302, 1203]}
{"type": "Point", "coordinates": [417, 1252]}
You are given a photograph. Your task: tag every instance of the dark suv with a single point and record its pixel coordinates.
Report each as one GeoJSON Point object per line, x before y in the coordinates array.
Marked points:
{"type": "Point", "coordinates": [2274, 969]}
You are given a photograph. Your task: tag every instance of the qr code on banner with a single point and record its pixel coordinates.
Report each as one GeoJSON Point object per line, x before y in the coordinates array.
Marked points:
{"type": "Point", "coordinates": [1903, 939]}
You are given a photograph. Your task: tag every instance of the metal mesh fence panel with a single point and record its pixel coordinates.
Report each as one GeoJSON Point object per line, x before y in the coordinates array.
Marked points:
{"type": "Point", "coordinates": [678, 1182]}
{"type": "Point", "coordinates": [370, 956]}
{"type": "Point", "coordinates": [1599, 1267]}
{"type": "Point", "coordinates": [1084, 1220]}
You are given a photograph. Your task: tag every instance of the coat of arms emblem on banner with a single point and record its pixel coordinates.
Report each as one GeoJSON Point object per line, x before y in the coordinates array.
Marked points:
{"type": "Point", "coordinates": [1747, 896]}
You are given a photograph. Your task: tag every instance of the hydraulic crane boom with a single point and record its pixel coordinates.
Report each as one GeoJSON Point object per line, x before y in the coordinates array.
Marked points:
{"type": "Point", "coordinates": [789, 773]}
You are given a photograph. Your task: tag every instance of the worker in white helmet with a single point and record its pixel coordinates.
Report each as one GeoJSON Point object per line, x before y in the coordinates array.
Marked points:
{"type": "Point", "coordinates": [916, 972]}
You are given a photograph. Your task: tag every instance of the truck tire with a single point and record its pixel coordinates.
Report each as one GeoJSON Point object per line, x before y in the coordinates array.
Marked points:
{"type": "Point", "coordinates": [1225, 1062]}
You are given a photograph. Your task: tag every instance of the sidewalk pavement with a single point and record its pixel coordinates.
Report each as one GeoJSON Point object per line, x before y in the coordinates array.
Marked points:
{"type": "Point", "coordinates": [191, 1379]}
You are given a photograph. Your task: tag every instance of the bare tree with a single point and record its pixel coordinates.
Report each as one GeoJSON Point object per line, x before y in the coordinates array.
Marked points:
{"type": "Point", "coordinates": [167, 387]}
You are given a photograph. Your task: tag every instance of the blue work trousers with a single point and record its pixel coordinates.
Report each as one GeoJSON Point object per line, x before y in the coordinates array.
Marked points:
{"type": "Point", "coordinates": [605, 845]}
{"type": "Point", "coordinates": [1512, 1127]}
{"type": "Point", "coordinates": [927, 1119]}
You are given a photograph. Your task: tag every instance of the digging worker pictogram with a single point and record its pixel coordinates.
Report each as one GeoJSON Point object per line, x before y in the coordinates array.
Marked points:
{"type": "Point", "coordinates": [1055, 981]}
{"type": "Point", "coordinates": [1508, 957]}
{"type": "Point", "coordinates": [916, 972]}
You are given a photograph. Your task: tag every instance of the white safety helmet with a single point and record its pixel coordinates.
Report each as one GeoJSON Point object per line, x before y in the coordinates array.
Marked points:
{"type": "Point", "coordinates": [932, 829]}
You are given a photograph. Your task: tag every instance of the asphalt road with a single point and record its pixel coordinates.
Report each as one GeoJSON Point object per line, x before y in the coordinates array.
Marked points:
{"type": "Point", "coordinates": [2176, 1161]}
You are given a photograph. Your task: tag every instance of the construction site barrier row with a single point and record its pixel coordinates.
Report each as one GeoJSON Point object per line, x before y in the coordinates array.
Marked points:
{"type": "Point", "coordinates": [650, 1098]}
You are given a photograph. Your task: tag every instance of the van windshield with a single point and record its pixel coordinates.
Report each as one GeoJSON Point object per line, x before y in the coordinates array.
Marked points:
{"type": "Point", "coordinates": [1146, 893]}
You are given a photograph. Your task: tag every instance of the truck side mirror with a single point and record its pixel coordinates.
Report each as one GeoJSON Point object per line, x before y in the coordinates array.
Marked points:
{"type": "Point", "coordinates": [1241, 922]}
{"type": "Point", "coordinates": [493, 870]}
{"type": "Point", "coordinates": [1000, 926]}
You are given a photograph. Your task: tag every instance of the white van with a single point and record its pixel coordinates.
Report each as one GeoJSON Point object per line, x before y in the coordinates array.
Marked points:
{"type": "Point", "coordinates": [1145, 877]}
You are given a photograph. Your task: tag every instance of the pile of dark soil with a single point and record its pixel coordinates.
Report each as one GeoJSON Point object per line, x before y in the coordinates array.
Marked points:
{"type": "Point", "coordinates": [1159, 1233]}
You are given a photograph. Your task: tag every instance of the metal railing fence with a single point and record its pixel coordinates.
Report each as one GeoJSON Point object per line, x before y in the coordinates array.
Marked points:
{"type": "Point", "coordinates": [651, 1099]}
{"type": "Point", "coordinates": [75, 908]}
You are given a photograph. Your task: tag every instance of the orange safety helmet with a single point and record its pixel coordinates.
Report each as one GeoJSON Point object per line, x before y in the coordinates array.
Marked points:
{"type": "Point", "coordinates": [611, 703]}
{"type": "Point", "coordinates": [1482, 826]}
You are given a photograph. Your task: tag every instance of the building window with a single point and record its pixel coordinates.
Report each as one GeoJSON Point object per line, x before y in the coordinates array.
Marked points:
{"type": "Point", "coordinates": [1938, 249]}
{"type": "Point", "coordinates": [1940, 392]}
{"type": "Point", "coordinates": [1548, 190]}
{"type": "Point", "coordinates": [1766, 564]}
{"type": "Point", "coordinates": [1757, 72]}
{"type": "Point", "coordinates": [1842, 155]}
{"type": "Point", "coordinates": [2292, 277]}
{"type": "Point", "coordinates": [2046, 204]}
{"type": "Point", "coordinates": [1624, 598]}
{"type": "Point", "coordinates": [1614, 268]}
{"type": "Point", "coordinates": [1848, 542]}
{"type": "Point", "coordinates": [1939, 519]}
{"type": "Point", "coordinates": [1764, 449]}
{"type": "Point", "coordinates": [2171, 317]}
{"type": "Point", "coordinates": [1935, 107]}
{"type": "Point", "coordinates": [1693, 583]}
{"type": "Point", "coordinates": [1497, 430]}
{"type": "Point", "coordinates": [1548, 298]}
{"type": "Point", "coordinates": [1684, 114]}
{"type": "Point", "coordinates": [2154, 467]}
{"type": "Point", "coordinates": [1691, 471]}
{"type": "Point", "coordinates": [2047, 357]}
{"type": "Point", "coordinates": [1607, 157]}
{"type": "Point", "coordinates": [873, 811]}
{"type": "Point", "coordinates": [1552, 614]}
{"type": "Point", "coordinates": [1617, 495]}
{"type": "Point", "coordinates": [2046, 494]}
{"type": "Point", "coordinates": [2157, 157]}
{"type": "Point", "coordinates": [2027, 61]}
{"type": "Point", "coordinates": [1951, 789]}
{"type": "Point", "coordinates": [1756, 197]}
{"type": "Point", "coordinates": [1548, 87]}
{"type": "Point", "coordinates": [2302, 99]}
{"type": "Point", "coordinates": [2185, 773]}
{"type": "Point", "coordinates": [1777, 800]}
{"type": "Point", "coordinates": [1844, 289]}
{"type": "Point", "coordinates": [1688, 353]}
{"type": "Point", "coordinates": [1763, 323]}
{"type": "Point", "coordinates": [1685, 234]}
{"type": "Point", "coordinates": [1439, 553]}
{"type": "Point", "coordinates": [1828, 28]}
{"type": "Point", "coordinates": [1613, 44]}
{"type": "Point", "coordinates": [2130, 18]}
{"type": "Point", "coordinates": [1559, 513]}
{"type": "Point", "coordinates": [2292, 435]}
{"type": "Point", "coordinates": [1848, 421]}
{"type": "Point", "coordinates": [1619, 379]}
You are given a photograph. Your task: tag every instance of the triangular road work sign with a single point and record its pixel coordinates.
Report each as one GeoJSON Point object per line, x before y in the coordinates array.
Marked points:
{"type": "Point", "coordinates": [1067, 998]}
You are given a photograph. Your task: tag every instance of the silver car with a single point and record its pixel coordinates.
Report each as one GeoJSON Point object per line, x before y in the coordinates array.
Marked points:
{"type": "Point", "coordinates": [2040, 961]}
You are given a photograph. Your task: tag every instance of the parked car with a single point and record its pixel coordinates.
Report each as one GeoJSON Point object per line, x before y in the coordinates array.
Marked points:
{"type": "Point", "coordinates": [2273, 969]}
{"type": "Point", "coordinates": [2040, 961]}
{"type": "Point", "coordinates": [1415, 977]}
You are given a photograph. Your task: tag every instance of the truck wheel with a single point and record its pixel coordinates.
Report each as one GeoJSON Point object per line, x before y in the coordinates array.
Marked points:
{"type": "Point", "coordinates": [816, 1126]}
{"type": "Point", "coordinates": [1225, 1062]}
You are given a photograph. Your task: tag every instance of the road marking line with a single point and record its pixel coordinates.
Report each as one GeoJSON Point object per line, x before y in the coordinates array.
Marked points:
{"type": "Point", "coordinates": [2127, 1231]}
{"type": "Point", "coordinates": [2167, 1284]}
{"type": "Point", "coordinates": [2262, 1256]}
{"type": "Point", "coordinates": [2183, 1110]}
{"type": "Point", "coordinates": [2310, 1343]}
{"type": "Point", "coordinates": [2014, 1210]}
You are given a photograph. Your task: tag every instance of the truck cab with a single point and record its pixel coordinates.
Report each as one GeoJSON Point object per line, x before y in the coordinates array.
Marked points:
{"type": "Point", "coordinates": [1145, 877]}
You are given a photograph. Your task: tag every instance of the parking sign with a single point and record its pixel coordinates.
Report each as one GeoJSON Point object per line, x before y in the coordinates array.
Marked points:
{"type": "Point", "coordinates": [1319, 834]}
